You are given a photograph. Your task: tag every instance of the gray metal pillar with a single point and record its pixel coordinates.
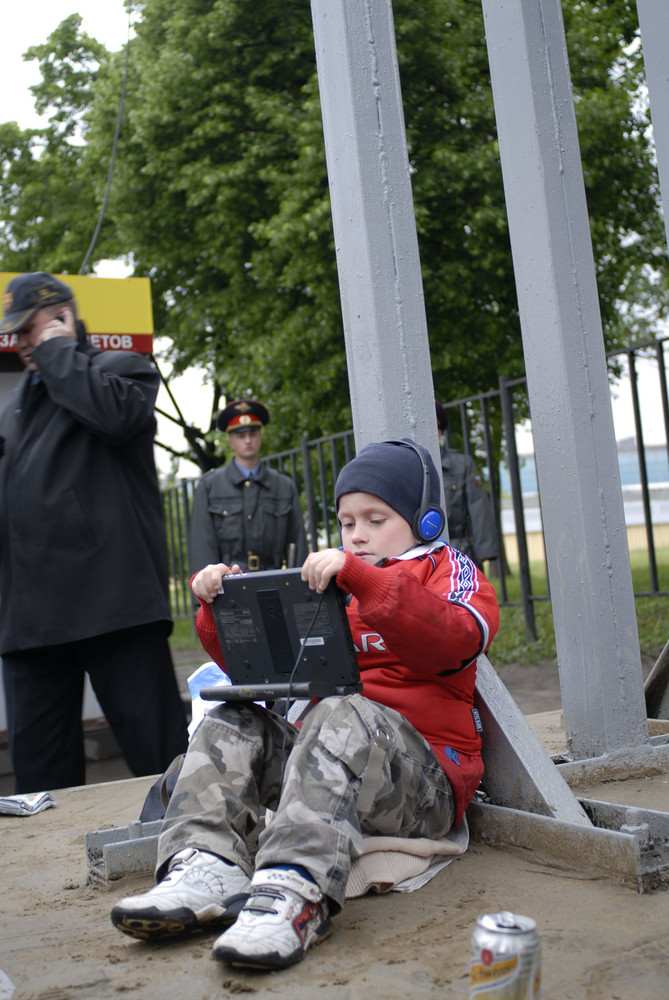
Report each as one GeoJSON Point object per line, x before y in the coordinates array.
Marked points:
{"type": "Point", "coordinates": [654, 25]}
{"type": "Point", "coordinates": [390, 376]}
{"type": "Point", "coordinates": [581, 497]}
{"type": "Point", "coordinates": [384, 317]}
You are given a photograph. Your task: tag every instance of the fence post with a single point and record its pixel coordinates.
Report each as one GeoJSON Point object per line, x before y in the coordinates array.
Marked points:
{"type": "Point", "coordinates": [662, 373]}
{"type": "Point", "coordinates": [312, 517]}
{"type": "Point", "coordinates": [187, 489]}
{"type": "Point", "coordinates": [643, 471]}
{"type": "Point", "coordinates": [494, 493]}
{"type": "Point", "coordinates": [518, 513]}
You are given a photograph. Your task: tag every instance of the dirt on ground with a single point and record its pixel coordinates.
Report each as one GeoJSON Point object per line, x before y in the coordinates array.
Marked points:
{"type": "Point", "coordinates": [600, 939]}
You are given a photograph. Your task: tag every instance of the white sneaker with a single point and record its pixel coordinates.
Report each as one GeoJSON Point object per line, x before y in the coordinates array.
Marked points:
{"type": "Point", "coordinates": [199, 890]}
{"type": "Point", "coordinates": [284, 915]}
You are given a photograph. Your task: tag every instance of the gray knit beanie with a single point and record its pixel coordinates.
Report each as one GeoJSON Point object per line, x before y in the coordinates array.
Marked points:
{"type": "Point", "coordinates": [392, 471]}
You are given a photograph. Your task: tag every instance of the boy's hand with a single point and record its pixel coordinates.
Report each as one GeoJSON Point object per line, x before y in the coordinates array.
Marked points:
{"type": "Point", "coordinates": [319, 568]}
{"type": "Point", "coordinates": [207, 583]}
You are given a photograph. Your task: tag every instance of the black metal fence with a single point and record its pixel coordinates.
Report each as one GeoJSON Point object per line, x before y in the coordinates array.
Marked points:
{"type": "Point", "coordinates": [483, 426]}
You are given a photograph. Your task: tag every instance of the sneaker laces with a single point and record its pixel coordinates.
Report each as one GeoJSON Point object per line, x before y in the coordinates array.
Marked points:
{"type": "Point", "coordinates": [174, 870]}
{"type": "Point", "coordinates": [183, 863]}
{"type": "Point", "coordinates": [198, 872]}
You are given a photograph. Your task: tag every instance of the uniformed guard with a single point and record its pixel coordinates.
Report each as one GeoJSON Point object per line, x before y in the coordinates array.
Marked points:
{"type": "Point", "coordinates": [471, 523]}
{"type": "Point", "coordinates": [244, 512]}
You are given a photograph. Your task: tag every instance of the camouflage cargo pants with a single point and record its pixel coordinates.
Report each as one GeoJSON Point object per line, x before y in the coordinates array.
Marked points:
{"type": "Point", "coordinates": [354, 768]}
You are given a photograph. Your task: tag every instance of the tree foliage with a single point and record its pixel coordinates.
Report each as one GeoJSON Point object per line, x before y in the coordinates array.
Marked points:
{"type": "Point", "coordinates": [48, 182]}
{"type": "Point", "coordinates": [220, 190]}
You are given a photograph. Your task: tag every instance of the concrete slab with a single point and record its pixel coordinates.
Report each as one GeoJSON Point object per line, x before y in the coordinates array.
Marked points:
{"type": "Point", "coordinates": [600, 940]}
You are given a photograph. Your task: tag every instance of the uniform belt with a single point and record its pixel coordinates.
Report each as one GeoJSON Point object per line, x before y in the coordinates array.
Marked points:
{"type": "Point", "coordinates": [252, 561]}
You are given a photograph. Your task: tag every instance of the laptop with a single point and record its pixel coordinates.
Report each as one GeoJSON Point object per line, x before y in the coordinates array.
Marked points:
{"type": "Point", "coordinates": [280, 639]}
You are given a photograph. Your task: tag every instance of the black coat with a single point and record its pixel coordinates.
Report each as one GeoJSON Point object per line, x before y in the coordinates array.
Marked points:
{"type": "Point", "coordinates": [471, 522]}
{"type": "Point", "coordinates": [82, 536]}
{"type": "Point", "coordinates": [232, 517]}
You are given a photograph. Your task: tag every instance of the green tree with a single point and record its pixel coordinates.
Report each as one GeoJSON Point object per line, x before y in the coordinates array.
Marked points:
{"type": "Point", "coordinates": [226, 205]}
{"type": "Point", "coordinates": [48, 184]}
{"type": "Point", "coordinates": [220, 191]}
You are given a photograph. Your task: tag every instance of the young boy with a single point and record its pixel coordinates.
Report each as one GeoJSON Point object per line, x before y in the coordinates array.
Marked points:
{"type": "Point", "coordinates": [400, 759]}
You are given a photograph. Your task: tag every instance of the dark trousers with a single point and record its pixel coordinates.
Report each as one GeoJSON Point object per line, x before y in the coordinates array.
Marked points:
{"type": "Point", "coordinates": [132, 675]}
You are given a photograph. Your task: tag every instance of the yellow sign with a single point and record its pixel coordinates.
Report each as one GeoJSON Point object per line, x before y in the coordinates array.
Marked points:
{"type": "Point", "coordinates": [117, 311]}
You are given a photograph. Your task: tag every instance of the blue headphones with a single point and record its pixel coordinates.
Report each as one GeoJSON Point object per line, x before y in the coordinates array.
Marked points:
{"type": "Point", "coordinates": [429, 520]}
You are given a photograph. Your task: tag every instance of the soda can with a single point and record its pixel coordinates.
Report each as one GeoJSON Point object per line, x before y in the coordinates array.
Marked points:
{"type": "Point", "coordinates": [505, 958]}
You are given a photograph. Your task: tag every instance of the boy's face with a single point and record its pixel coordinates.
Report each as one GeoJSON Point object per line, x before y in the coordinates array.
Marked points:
{"type": "Point", "coordinates": [371, 529]}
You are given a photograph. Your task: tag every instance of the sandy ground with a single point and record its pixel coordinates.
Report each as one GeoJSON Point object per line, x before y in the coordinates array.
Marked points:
{"type": "Point", "coordinates": [600, 939]}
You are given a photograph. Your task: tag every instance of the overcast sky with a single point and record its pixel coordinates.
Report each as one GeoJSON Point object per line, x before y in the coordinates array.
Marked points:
{"type": "Point", "coordinates": [30, 23]}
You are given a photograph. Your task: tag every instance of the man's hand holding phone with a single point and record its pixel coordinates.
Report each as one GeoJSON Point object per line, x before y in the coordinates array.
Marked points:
{"type": "Point", "coordinates": [62, 325]}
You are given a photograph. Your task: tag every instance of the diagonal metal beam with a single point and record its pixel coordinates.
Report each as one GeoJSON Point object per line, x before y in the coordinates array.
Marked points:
{"type": "Point", "coordinates": [518, 771]}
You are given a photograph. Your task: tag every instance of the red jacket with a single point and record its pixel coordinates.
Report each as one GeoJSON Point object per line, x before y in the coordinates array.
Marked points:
{"type": "Point", "coordinates": [418, 623]}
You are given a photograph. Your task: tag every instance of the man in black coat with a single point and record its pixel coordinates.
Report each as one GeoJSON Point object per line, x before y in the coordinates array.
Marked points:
{"type": "Point", "coordinates": [471, 522]}
{"type": "Point", "coordinates": [244, 512]}
{"type": "Point", "coordinates": [83, 561]}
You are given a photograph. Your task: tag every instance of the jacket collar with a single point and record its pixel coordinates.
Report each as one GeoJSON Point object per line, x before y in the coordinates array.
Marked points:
{"type": "Point", "coordinates": [420, 550]}
{"type": "Point", "coordinates": [238, 477]}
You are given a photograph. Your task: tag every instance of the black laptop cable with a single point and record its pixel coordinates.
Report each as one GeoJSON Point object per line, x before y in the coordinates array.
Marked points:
{"type": "Point", "coordinates": [291, 679]}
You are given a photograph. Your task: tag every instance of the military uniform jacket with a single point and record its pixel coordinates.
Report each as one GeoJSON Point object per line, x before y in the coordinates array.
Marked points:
{"type": "Point", "coordinates": [471, 524]}
{"type": "Point", "coordinates": [82, 536]}
{"type": "Point", "coordinates": [250, 522]}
